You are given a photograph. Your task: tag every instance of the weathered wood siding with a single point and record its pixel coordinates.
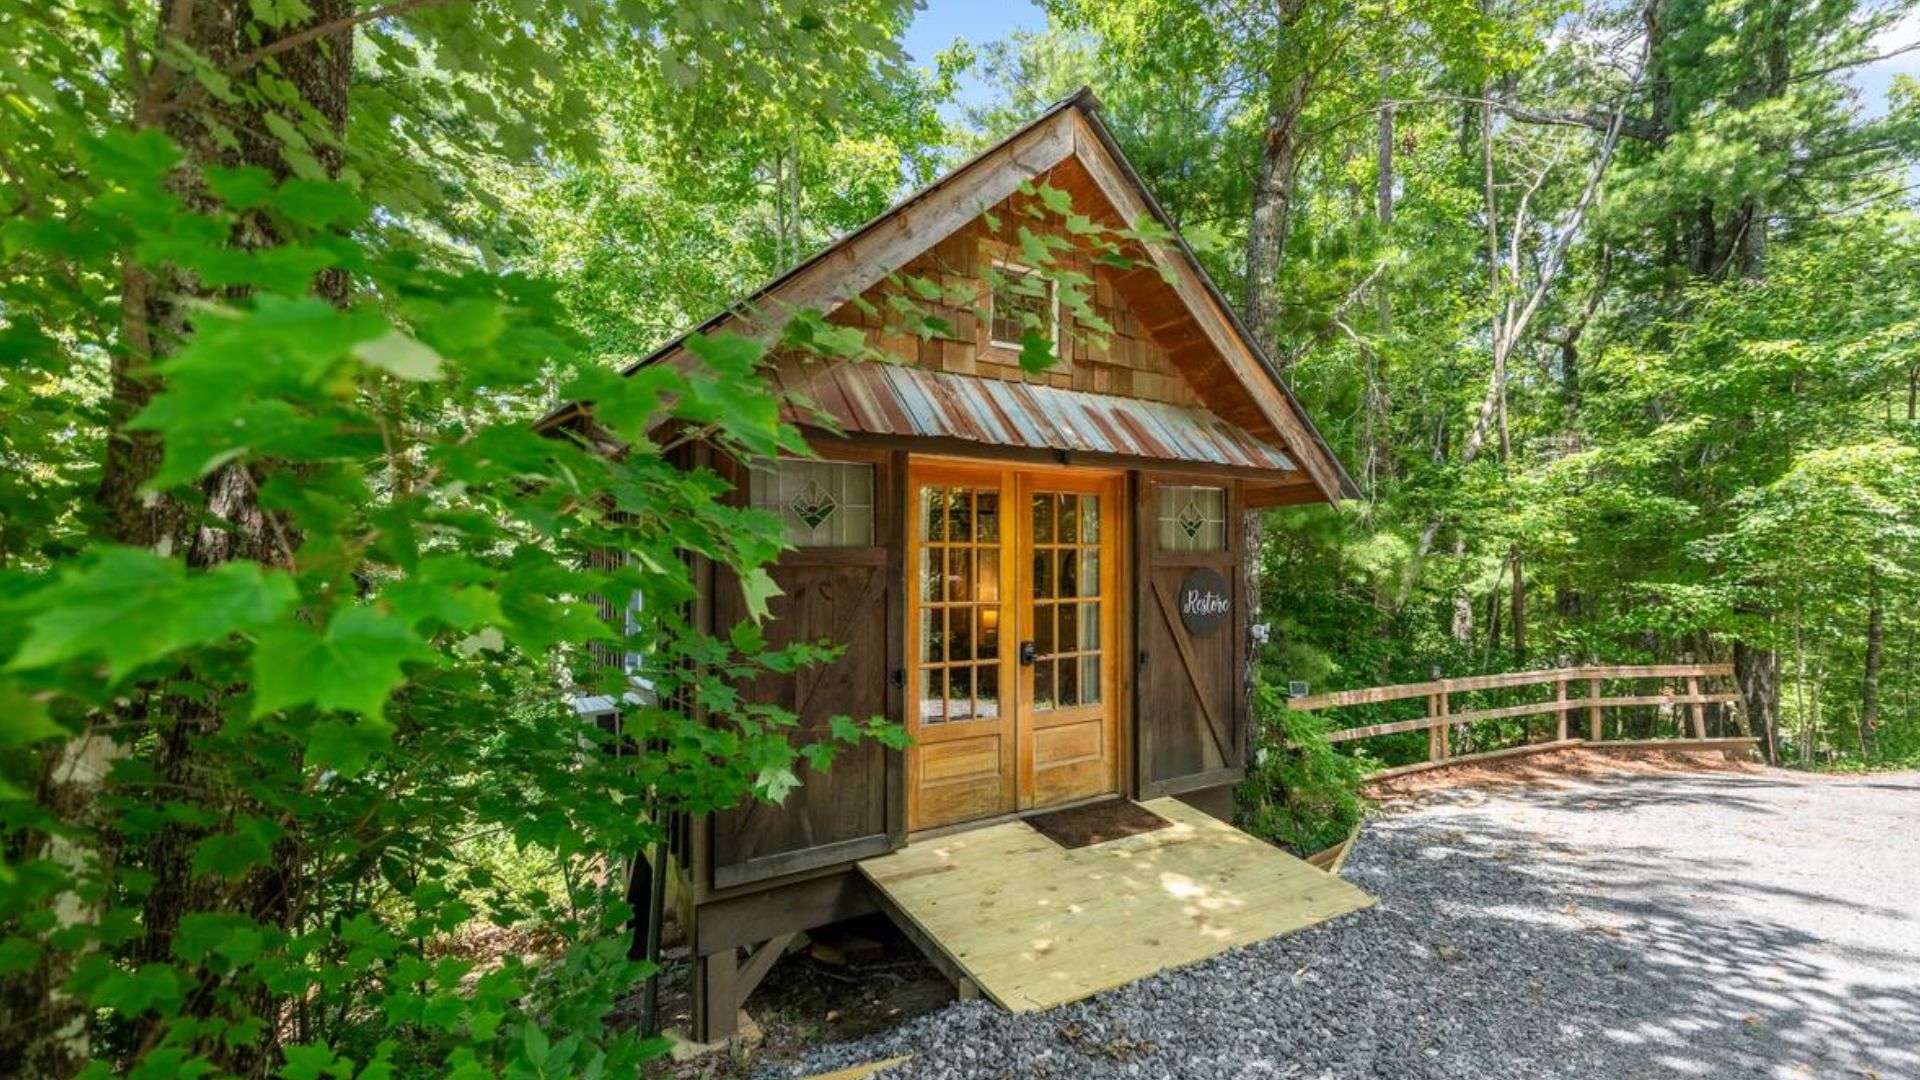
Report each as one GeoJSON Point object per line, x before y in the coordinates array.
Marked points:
{"type": "Point", "coordinates": [1127, 362]}
{"type": "Point", "coordinates": [1191, 708]}
{"type": "Point", "coordinates": [849, 596]}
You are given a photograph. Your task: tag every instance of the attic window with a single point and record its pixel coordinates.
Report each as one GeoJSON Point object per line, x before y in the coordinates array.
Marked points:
{"type": "Point", "coordinates": [1022, 299]}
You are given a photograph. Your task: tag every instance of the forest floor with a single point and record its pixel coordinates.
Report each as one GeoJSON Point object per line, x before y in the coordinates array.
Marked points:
{"type": "Point", "coordinates": [1703, 924]}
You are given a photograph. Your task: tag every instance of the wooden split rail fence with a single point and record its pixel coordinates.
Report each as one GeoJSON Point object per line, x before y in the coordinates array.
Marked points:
{"type": "Point", "coordinates": [1441, 719]}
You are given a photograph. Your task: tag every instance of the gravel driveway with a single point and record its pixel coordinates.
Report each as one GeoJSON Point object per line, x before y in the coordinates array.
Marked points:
{"type": "Point", "coordinates": [1715, 925]}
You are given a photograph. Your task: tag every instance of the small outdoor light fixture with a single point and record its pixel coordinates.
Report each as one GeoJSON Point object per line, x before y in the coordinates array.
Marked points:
{"type": "Point", "coordinates": [1296, 689]}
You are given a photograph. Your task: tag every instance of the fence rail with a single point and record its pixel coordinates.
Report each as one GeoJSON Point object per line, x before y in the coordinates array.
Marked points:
{"type": "Point", "coordinates": [1441, 719]}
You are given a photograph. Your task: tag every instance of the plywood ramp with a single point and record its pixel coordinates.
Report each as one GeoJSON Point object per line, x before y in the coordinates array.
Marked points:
{"type": "Point", "coordinates": [1035, 925]}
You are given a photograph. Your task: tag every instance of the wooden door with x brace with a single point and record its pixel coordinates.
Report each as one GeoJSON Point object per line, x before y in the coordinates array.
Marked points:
{"type": "Point", "coordinates": [1013, 605]}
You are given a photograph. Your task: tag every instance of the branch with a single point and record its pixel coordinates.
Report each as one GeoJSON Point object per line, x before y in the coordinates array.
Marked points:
{"type": "Point", "coordinates": [1632, 126]}
{"type": "Point", "coordinates": [1862, 62]}
{"type": "Point", "coordinates": [315, 33]}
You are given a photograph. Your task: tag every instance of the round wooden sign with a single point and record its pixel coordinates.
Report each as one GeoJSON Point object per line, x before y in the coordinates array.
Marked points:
{"type": "Point", "coordinates": [1205, 602]}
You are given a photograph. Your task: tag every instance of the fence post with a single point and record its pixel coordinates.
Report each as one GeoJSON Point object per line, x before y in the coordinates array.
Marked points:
{"type": "Point", "coordinates": [1445, 730]}
{"type": "Point", "coordinates": [1698, 708]}
{"type": "Point", "coordinates": [1593, 710]}
{"type": "Point", "coordinates": [1560, 700]}
{"type": "Point", "coordinates": [1435, 750]}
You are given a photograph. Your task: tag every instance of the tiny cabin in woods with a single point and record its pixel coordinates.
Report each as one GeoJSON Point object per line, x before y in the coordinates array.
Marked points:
{"type": "Point", "coordinates": [1047, 578]}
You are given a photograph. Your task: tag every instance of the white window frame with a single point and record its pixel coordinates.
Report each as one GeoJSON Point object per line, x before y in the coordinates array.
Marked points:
{"type": "Point", "coordinates": [1007, 268]}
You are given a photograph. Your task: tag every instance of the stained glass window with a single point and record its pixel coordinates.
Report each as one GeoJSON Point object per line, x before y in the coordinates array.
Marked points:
{"type": "Point", "coordinates": [1191, 518]}
{"type": "Point", "coordinates": [822, 503]}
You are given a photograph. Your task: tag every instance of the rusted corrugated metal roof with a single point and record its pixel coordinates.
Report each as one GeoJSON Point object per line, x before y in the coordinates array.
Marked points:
{"type": "Point", "coordinates": [888, 399]}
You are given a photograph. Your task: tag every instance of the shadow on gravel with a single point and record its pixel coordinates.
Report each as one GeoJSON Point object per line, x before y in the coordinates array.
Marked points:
{"type": "Point", "coordinates": [1625, 948]}
{"type": "Point", "coordinates": [1516, 941]}
{"type": "Point", "coordinates": [1633, 793]}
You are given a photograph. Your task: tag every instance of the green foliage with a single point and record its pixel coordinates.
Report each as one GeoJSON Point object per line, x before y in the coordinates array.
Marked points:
{"type": "Point", "coordinates": [293, 593]}
{"type": "Point", "coordinates": [1705, 424]}
{"type": "Point", "coordinates": [1300, 792]}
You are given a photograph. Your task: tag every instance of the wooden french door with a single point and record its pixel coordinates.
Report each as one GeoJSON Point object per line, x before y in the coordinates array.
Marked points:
{"type": "Point", "coordinates": [1014, 620]}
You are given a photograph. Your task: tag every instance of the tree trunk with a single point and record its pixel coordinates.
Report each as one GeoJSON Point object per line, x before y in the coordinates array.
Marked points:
{"type": "Point", "coordinates": [1378, 405]}
{"type": "Point", "coordinates": [1272, 211]}
{"type": "Point", "coordinates": [1519, 603]}
{"type": "Point", "coordinates": [1462, 604]}
{"type": "Point", "coordinates": [222, 520]}
{"type": "Point", "coordinates": [1870, 685]}
{"type": "Point", "coordinates": [1757, 671]}
{"type": "Point", "coordinates": [1267, 231]}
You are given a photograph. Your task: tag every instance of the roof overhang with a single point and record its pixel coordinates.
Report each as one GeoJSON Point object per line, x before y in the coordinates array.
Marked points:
{"type": "Point", "coordinates": [875, 399]}
{"type": "Point", "coordinates": [1070, 129]}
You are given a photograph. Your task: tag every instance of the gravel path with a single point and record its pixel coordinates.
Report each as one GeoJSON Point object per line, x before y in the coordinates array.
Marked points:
{"type": "Point", "coordinates": [1701, 926]}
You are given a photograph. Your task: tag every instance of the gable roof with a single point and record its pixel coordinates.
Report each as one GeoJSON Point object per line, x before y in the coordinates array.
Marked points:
{"type": "Point", "coordinates": [1070, 132]}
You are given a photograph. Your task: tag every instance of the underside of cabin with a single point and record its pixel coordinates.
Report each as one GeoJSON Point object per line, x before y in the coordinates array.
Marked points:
{"type": "Point", "coordinates": [1047, 577]}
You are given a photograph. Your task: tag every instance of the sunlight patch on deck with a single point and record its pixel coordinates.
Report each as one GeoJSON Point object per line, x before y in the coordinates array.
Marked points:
{"type": "Point", "coordinates": [1035, 925]}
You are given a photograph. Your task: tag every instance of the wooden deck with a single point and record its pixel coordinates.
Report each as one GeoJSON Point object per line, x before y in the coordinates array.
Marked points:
{"type": "Point", "coordinates": [1034, 925]}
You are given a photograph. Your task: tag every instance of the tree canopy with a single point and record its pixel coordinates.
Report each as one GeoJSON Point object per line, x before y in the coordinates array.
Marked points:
{"type": "Point", "coordinates": [1610, 307]}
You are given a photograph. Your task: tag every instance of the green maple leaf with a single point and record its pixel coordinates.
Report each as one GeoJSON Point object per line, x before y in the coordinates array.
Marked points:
{"type": "Point", "coordinates": [400, 356]}
{"type": "Point", "coordinates": [355, 665]}
{"type": "Point", "coordinates": [1036, 352]}
{"type": "Point", "coordinates": [23, 719]}
{"type": "Point", "coordinates": [758, 587]}
{"type": "Point", "coordinates": [130, 607]}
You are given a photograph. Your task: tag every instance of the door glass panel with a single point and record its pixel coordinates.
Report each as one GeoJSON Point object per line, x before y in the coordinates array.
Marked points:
{"type": "Point", "coordinates": [933, 503]}
{"type": "Point", "coordinates": [960, 693]}
{"type": "Point", "coordinates": [959, 645]}
{"type": "Point", "coordinates": [1043, 575]}
{"type": "Point", "coordinates": [1067, 632]}
{"type": "Point", "coordinates": [959, 633]}
{"type": "Point", "coordinates": [986, 641]}
{"type": "Point", "coordinates": [933, 576]}
{"type": "Point", "coordinates": [933, 694]}
{"type": "Point", "coordinates": [1067, 684]}
{"type": "Point", "coordinates": [986, 519]}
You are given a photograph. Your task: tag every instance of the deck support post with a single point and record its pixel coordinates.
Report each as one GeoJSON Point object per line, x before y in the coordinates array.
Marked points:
{"type": "Point", "coordinates": [716, 1005]}
{"type": "Point", "coordinates": [721, 984]}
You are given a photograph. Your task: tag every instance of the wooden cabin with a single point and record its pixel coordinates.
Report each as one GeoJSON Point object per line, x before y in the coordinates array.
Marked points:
{"type": "Point", "coordinates": [1047, 578]}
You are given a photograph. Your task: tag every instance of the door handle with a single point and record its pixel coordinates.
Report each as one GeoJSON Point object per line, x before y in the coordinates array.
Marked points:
{"type": "Point", "coordinates": [1027, 654]}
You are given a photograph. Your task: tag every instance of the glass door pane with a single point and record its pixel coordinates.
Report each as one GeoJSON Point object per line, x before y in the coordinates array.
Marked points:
{"type": "Point", "coordinates": [1066, 615]}
{"type": "Point", "coordinates": [958, 649]}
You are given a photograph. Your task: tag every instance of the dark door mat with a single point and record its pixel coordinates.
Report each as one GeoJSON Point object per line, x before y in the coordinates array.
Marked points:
{"type": "Point", "coordinates": [1097, 823]}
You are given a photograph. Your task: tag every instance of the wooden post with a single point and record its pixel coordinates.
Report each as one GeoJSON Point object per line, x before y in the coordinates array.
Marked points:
{"type": "Point", "coordinates": [716, 999]}
{"type": "Point", "coordinates": [1435, 752]}
{"type": "Point", "coordinates": [1560, 701]}
{"type": "Point", "coordinates": [1698, 708]}
{"type": "Point", "coordinates": [1593, 711]}
{"type": "Point", "coordinates": [1445, 730]}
